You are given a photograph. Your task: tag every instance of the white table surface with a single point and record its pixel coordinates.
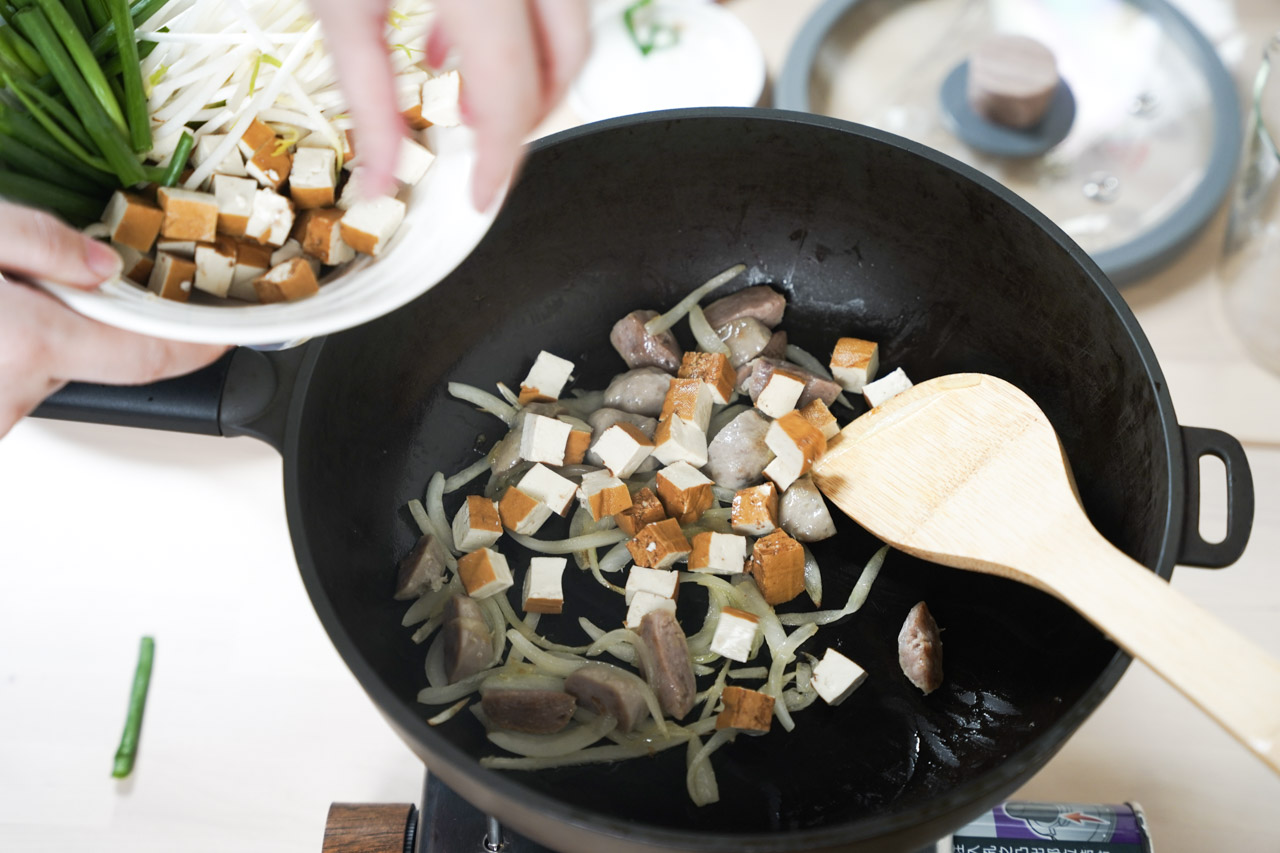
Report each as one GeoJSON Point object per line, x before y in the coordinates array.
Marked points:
{"type": "Point", "coordinates": [254, 725]}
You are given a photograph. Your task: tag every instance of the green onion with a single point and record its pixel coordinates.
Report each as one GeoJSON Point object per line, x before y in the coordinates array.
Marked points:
{"type": "Point", "coordinates": [30, 56]}
{"type": "Point", "coordinates": [78, 48]}
{"type": "Point", "coordinates": [37, 164]}
{"type": "Point", "coordinates": [179, 160]}
{"type": "Point", "coordinates": [115, 66]}
{"type": "Point", "coordinates": [98, 15]}
{"type": "Point", "coordinates": [78, 209]}
{"type": "Point", "coordinates": [108, 137]}
{"type": "Point", "coordinates": [104, 39]}
{"type": "Point", "coordinates": [38, 102]}
{"type": "Point", "coordinates": [29, 132]}
{"type": "Point", "coordinates": [656, 35]}
{"type": "Point", "coordinates": [79, 15]}
{"type": "Point", "coordinates": [137, 704]}
{"type": "Point", "coordinates": [135, 100]}
{"type": "Point", "coordinates": [12, 64]}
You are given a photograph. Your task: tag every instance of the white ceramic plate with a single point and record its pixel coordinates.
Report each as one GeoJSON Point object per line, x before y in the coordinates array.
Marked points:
{"type": "Point", "coordinates": [716, 62]}
{"type": "Point", "coordinates": [440, 229]}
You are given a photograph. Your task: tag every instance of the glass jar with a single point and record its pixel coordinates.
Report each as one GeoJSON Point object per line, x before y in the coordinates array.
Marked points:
{"type": "Point", "coordinates": [1250, 268]}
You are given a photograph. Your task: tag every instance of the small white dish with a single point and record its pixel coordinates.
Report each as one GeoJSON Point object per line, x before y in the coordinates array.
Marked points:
{"type": "Point", "coordinates": [440, 229]}
{"type": "Point", "coordinates": [715, 62]}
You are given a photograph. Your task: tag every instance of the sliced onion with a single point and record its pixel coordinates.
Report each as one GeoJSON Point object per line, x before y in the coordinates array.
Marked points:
{"type": "Point", "coordinates": [435, 664]}
{"type": "Point", "coordinates": [662, 322]}
{"type": "Point", "coordinates": [435, 509]}
{"type": "Point", "coordinates": [615, 559]}
{"type": "Point", "coordinates": [599, 539]}
{"type": "Point", "coordinates": [484, 401]}
{"type": "Point", "coordinates": [545, 661]}
{"type": "Point", "coordinates": [510, 396]}
{"type": "Point", "coordinates": [448, 713]}
{"type": "Point", "coordinates": [428, 527]}
{"type": "Point", "coordinates": [857, 596]}
{"type": "Point", "coordinates": [708, 340]}
{"type": "Point", "coordinates": [571, 740]}
{"type": "Point", "coordinates": [528, 633]}
{"type": "Point", "coordinates": [702, 786]}
{"type": "Point", "coordinates": [723, 494]}
{"type": "Point", "coordinates": [801, 357]}
{"type": "Point", "coordinates": [750, 673]}
{"type": "Point", "coordinates": [466, 475]}
{"type": "Point", "coordinates": [430, 602]}
{"type": "Point", "coordinates": [455, 691]}
{"type": "Point", "coordinates": [812, 578]}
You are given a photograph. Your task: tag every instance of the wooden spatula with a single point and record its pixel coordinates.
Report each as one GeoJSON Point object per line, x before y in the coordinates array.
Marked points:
{"type": "Point", "coordinates": [966, 471]}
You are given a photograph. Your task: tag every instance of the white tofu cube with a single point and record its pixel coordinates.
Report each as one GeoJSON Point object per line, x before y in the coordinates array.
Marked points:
{"type": "Point", "coordinates": [678, 440]}
{"type": "Point", "coordinates": [215, 267]}
{"type": "Point", "coordinates": [232, 163]}
{"type": "Point", "coordinates": [779, 394]}
{"type": "Point", "coordinates": [603, 495]}
{"type": "Point", "coordinates": [413, 162]}
{"type": "Point", "coordinates": [271, 218]}
{"type": "Point", "coordinates": [546, 378]}
{"type": "Point", "coordinates": [718, 553]}
{"type": "Point", "coordinates": [621, 448]}
{"type": "Point", "coordinates": [543, 592]}
{"type": "Point", "coordinates": [662, 582]}
{"type": "Point", "coordinates": [735, 635]}
{"type": "Point", "coordinates": [644, 603]}
{"type": "Point", "coordinates": [544, 439]}
{"type": "Point", "coordinates": [235, 203]}
{"type": "Point", "coordinates": [854, 363]}
{"type": "Point", "coordinates": [548, 487]}
{"type": "Point", "coordinates": [368, 225]}
{"type": "Point", "coordinates": [313, 178]}
{"type": "Point", "coordinates": [835, 677]}
{"type": "Point", "coordinates": [477, 524]}
{"type": "Point", "coordinates": [440, 99]}
{"type": "Point", "coordinates": [484, 573]}
{"type": "Point", "coordinates": [885, 387]}
{"type": "Point", "coordinates": [409, 89]}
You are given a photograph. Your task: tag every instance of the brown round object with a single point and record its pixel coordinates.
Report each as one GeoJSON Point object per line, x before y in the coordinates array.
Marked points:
{"type": "Point", "coordinates": [1012, 80]}
{"type": "Point", "coordinates": [367, 827]}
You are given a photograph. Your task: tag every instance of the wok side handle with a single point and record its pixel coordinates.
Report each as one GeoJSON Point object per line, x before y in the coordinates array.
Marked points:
{"type": "Point", "coordinates": [246, 392]}
{"type": "Point", "coordinates": [1195, 551]}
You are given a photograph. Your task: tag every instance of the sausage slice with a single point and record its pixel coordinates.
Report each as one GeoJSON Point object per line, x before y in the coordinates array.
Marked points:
{"type": "Point", "coordinates": [422, 569]}
{"type": "Point", "coordinates": [672, 676]}
{"type": "Point", "coordinates": [638, 348]}
{"type": "Point", "coordinates": [760, 302]}
{"type": "Point", "coordinates": [920, 649]}
{"type": "Point", "coordinates": [609, 691]}
{"type": "Point", "coordinates": [535, 712]}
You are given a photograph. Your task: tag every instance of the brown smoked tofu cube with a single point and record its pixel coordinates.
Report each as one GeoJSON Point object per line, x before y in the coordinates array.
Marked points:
{"type": "Point", "coordinates": [777, 564]}
{"type": "Point", "coordinates": [660, 545]}
{"type": "Point", "coordinates": [320, 233]}
{"type": "Point", "coordinates": [645, 509]}
{"type": "Point", "coordinates": [854, 363]}
{"type": "Point", "coordinates": [690, 400]}
{"type": "Point", "coordinates": [796, 444]}
{"type": "Point", "coordinates": [685, 492]}
{"type": "Point", "coordinates": [188, 215]}
{"type": "Point", "coordinates": [713, 369]}
{"type": "Point", "coordinates": [172, 277]}
{"type": "Point", "coordinates": [270, 164]}
{"type": "Point", "coordinates": [754, 511]}
{"type": "Point", "coordinates": [484, 573]}
{"type": "Point", "coordinates": [521, 512]}
{"type": "Point", "coordinates": [256, 135]}
{"type": "Point", "coordinates": [745, 709]}
{"type": "Point", "coordinates": [286, 282]}
{"type": "Point", "coordinates": [132, 221]}
{"type": "Point", "coordinates": [576, 449]}
{"type": "Point", "coordinates": [817, 413]}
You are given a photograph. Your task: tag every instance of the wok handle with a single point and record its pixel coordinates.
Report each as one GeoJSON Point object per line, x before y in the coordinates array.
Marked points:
{"type": "Point", "coordinates": [370, 828]}
{"type": "Point", "coordinates": [246, 392]}
{"type": "Point", "coordinates": [1195, 551]}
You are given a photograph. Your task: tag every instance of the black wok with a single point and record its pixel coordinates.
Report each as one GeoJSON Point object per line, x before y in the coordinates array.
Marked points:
{"type": "Point", "coordinates": [867, 234]}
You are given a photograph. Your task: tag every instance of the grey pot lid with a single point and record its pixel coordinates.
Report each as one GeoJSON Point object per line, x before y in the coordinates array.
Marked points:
{"type": "Point", "coordinates": [1156, 133]}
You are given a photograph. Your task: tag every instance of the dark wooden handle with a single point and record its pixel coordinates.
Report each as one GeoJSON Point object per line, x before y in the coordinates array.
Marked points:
{"type": "Point", "coordinates": [368, 827]}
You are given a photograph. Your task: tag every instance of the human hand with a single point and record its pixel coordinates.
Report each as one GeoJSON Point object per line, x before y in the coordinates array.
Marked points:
{"type": "Point", "coordinates": [44, 344]}
{"type": "Point", "coordinates": [517, 59]}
